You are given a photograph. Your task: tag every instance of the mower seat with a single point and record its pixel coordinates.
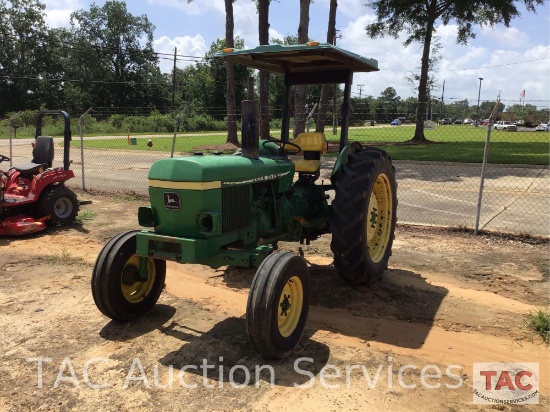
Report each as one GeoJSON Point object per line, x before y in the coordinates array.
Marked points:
{"type": "Point", "coordinates": [42, 153]}
{"type": "Point", "coordinates": [312, 144]}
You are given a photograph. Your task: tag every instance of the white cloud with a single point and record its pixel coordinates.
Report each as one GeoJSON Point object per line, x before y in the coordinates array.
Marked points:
{"type": "Point", "coordinates": [186, 46]}
{"type": "Point", "coordinates": [58, 12]}
{"type": "Point", "coordinates": [509, 37]}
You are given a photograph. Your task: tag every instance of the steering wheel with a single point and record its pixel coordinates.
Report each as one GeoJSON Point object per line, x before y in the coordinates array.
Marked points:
{"type": "Point", "coordinates": [4, 158]}
{"type": "Point", "coordinates": [281, 144]}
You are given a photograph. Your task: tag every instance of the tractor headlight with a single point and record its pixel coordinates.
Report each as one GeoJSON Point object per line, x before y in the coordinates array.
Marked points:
{"type": "Point", "coordinates": [146, 216]}
{"type": "Point", "coordinates": [208, 222]}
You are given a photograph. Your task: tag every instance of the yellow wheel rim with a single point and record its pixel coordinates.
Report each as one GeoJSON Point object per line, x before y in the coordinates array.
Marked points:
{"type": "Point", "coordinates": [379, 218]}
{"type": "Point", "coordinates": [134, 288]}
{"type": "Point", "coordinates": [290, 306]}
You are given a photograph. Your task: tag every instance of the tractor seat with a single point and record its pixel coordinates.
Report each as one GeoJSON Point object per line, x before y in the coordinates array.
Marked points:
{"type": "Point", "coordinates": [42, 153]}
{"type": "Point", "coordinates": [312, 144]}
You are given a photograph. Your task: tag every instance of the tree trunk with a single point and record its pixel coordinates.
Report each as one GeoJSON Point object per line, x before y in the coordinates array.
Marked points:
{"type": "Point", "coordinates": [300, 97]}
{"type": "Point", "coordinates": [230, 78]}
{"type": "Point", "coordinates": [325, 89]}
{"type": "Point", "coordinates": [422, 87]}
{"type": "Point", "coordinates": [263, 32]}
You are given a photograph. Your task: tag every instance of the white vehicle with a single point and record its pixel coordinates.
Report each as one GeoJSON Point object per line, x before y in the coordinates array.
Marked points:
{"type": "Point", "coordinates": [543, 127]}
{"type": "Point", "coordinates": [505, 125]}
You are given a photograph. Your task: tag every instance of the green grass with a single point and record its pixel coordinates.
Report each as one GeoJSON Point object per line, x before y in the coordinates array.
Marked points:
{"type": "Point", "coordinates": [452, 144]}
{"type": "Point", "coordinates": [539, 323]}
{"type": "Point", "coordinates": [84, 215]}
{"type": "Point", "coordinates": [64, 257]}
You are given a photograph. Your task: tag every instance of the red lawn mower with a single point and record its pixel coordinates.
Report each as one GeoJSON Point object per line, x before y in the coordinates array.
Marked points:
{"type": "Point", "coordinates": [33, 195]}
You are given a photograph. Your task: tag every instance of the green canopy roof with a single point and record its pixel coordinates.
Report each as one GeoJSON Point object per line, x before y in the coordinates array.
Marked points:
{"type": "Point", "coordinates": [303, 58]}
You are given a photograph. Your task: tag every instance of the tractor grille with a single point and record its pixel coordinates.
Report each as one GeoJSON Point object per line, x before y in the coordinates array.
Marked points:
{"type": "Point", "coordinates": [236, 212]}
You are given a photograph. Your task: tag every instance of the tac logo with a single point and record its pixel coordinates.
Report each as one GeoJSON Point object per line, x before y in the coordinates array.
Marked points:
{"type": "Point", "coordinates": [506, 383]}
{"type": "Point", "coordinates": [171, 200]}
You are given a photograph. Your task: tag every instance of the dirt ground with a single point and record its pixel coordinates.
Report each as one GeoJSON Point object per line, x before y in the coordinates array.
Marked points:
{"type": "Point", "coordinates": [449, 299]}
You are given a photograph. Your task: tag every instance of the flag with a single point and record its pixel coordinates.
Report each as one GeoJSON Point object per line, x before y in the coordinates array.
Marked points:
{"type": "Point", "coordinates": [522, 95]}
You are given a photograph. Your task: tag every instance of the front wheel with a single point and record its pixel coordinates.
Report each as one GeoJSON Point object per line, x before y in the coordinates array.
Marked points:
{"type": "Point", "coordinates": [278, 304]}
{"type": "Point", "coordinates": [364, 216]}
{"type": "Point", "coordinates": [125, 285]}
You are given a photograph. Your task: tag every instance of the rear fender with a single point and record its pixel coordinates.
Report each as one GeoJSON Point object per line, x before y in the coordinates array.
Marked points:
{"type": "Point", "coordinates": [342, 159]}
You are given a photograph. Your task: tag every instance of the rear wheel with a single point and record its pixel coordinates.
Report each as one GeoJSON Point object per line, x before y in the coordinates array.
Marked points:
{"type": "Point", "coordinates": [364, 216]}
{"type": "Point", "coordinates": [278, 304]}
{"type": "Point", "coordinates": [60, 203]}
{"type": "Point", "coordinates": [125, 285]}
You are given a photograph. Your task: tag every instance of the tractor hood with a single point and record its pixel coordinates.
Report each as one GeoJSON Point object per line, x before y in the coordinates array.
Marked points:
{"type": "Point", "coordinates": [219, 170]}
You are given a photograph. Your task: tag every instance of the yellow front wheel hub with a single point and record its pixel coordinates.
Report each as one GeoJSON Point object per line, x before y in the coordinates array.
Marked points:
{"type": "Point", "coordinates": [379, 218]}
{"type": "Point", "coordinates": [290, 306]}
{"type": "Point", "coordinates": [134, 287]}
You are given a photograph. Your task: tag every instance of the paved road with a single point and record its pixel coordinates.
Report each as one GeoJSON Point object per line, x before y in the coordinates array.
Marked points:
{"type": "Point", "coordinates": [516, 199]}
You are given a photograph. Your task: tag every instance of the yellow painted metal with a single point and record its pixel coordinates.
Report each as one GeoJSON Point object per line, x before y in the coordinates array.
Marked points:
{"type": "Point", "coordinates": [164, 184]}
{"type": "Point", "coordinates": [379, 218]}
{"type": "Point", "coordinates": [309, 166]}
{"type": "Point", "coordinates": [139, 289]}
{"type": "Point", "coordinates": [290, 306]}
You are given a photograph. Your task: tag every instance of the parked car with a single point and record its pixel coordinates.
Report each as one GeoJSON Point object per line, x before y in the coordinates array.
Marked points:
{"type": "Point", "coordinates": [468, 121]}
{"type": "Point", "coordinates": [485, 122]}
{"type": "Point", "coordinates": [395, 122]}
{"type": "Point", "coordinates": [458, 121]}
{"type": "Point", "coordinates": [446, 120]}
{"type": "Point", "coordinates": [543, 127]}
{"type": "Point", "coordinates": [369, 122]}
{"type": "Point", "coordinates": [505, 125]}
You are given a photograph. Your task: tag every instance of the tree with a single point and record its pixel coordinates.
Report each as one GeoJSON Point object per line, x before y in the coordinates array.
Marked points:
{"type": "Point", "coordinates": [27, 57]}
{"type": "Point", "coordinates": [417, 18]}
{"type": "Point", "coordinates": [230, 76]}
{"type": "Point", "coordinates": [300, 99]}
{"type": "Point", "coordinates": [263, 34]}
{"type": "Point", "coordinates": [112, 53]}
{"type": "Point", "coordinates": [323, 101]}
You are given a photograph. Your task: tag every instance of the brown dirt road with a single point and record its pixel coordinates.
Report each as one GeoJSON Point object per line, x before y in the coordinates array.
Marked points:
{"type": "Point", "coordinates": [448, 300]}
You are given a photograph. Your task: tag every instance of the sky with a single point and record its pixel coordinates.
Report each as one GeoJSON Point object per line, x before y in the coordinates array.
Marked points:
{"type": "Point", "coordinates": [508, 59]}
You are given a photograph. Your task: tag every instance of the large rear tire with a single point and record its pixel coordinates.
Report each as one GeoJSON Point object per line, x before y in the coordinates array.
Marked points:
{"type": "Point", "coordinates": [278, 304]}
{"type": "Point", "coordinates": [60, 203]}
{"type": "Point", "coordinates": [119, 290]}
{"type": "Point", "coordinates": [364, 216]}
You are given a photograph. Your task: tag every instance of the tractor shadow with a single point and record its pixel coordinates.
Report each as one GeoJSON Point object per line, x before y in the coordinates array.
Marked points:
{"type": "Point", "coordinates": [398, 310]}
{"type": "Point", "coordinates": [224, 355]}
{"type": "Point", "coordinates": [125, 331]}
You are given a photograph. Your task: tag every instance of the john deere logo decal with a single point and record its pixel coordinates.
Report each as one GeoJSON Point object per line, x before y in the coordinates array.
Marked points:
{"type": "Point", "coordinates": [171, 200]}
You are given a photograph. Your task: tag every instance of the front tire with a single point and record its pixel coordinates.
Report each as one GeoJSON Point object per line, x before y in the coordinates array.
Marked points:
{"type": "Point", "coordinates": [60, 203]}
{"type": "Point", "coordinates": [278, 304]}
{"type": "Point", "coordinates": [364, 216]}
{"type": "Point", "coordinates": [119, 290]}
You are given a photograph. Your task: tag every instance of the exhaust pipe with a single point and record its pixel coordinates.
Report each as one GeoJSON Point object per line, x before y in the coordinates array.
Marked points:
{"type": "Point", "coordinates": [250, 129]}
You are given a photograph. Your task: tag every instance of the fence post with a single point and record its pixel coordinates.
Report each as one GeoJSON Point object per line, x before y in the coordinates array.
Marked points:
{"type": "Point", "coordinates": [176, 124]}
{"type": "Point", "coordinates": [82, 147]}
{"type": "Point", "coordinates": [485, 153]}
{"type": "Point", "coordinates": [10, 127]}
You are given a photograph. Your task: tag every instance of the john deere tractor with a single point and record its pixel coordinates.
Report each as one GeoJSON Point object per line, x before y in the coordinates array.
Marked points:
{"type": "Point", "coordinates": [220, 210]}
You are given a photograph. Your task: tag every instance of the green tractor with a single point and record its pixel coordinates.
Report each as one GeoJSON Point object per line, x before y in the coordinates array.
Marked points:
{"type": "Point", "coordinates": [231, 210]}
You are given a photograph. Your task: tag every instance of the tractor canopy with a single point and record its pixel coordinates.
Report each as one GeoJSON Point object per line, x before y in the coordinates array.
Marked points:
{"type": "Point", "coordinates": [303, 64]}
{"type": "Point", "coordinates": [302, 58]}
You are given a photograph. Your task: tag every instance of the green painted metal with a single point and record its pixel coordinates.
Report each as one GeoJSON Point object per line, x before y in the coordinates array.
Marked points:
{"type": "Point", "coordinates": [343, 158]}
{"type": "Point", "coordinates": [311, 57]}
{"type": "Point", "coordinates": [230, 170]}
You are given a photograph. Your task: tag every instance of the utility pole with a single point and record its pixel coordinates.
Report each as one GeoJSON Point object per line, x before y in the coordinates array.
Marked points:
{"type": "Point", "coordinates": [441, 106]}
{"type": "Point", "coordinates": [478, 95]}
{"type": "Point", "coordinates": [174, 80]}
{"type": "Point", "coordinates": [360, 89]}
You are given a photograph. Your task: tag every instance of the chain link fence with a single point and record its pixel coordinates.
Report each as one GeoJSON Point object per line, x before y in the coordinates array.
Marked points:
{"type": "Point", "coordinates": [439, 182]}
